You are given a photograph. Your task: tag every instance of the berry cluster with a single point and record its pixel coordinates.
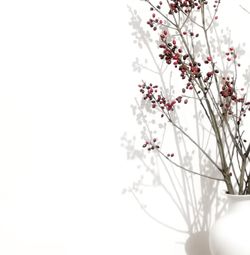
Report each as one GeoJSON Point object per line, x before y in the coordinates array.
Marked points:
{"type": "Point", "coordinates": [154, 22]}
{"type": "Point", "coordinates": [231, 55]}
{"type": "Point", "coordinates": [158, 6]}
{"type": "Point", "coordinates": [190, 33]}
{"type": "Point", "coordinates": [151, 145]}
{"type": "Point", "coordinates": [216, 4]}
{"type": "Point", "coordinates": [230, 96]}
{"type": "Point", "coordinates": [172, 54]}
{"type": "Point", "coordinates": [185, 6]}
{"type": "Point", "coordinates": [170, 155]}
{"type": "Point", "coordinates": [150, 93]}
{"type": "Point", "coordinates": [227, 90]}
{"type": "Point", "coordinates": [178, 6]}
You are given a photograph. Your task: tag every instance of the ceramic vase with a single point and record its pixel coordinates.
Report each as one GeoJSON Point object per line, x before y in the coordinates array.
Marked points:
{"type": "Point", "coordinates": [230, 234]}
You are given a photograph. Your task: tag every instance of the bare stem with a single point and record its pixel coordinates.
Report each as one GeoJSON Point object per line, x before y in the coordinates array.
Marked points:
{"type": "Point", "coordinates": [188, 170]}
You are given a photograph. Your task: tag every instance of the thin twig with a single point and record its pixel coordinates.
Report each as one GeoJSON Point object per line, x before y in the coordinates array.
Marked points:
{"type": "Point", "coordinates": [187, 170]}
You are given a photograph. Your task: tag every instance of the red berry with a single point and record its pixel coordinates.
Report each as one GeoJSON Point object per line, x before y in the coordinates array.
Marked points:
{"type": "Point", "coordinates": [209, 58]}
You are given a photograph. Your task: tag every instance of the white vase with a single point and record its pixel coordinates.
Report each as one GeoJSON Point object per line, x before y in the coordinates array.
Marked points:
{"type": "Point", "coordinates": [230, 235]}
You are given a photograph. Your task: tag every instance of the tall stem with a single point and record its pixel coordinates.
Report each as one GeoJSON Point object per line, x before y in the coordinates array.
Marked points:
{"type": "Point", "coordinates": [225, 169]}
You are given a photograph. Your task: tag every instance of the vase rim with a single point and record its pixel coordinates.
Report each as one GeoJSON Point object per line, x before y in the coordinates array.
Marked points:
{"type": "Point", "coordinates": [235, 196]}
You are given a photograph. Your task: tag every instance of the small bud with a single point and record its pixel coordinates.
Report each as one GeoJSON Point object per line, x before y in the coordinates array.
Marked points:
{"type": "Point", "coordinates": [209, 58]}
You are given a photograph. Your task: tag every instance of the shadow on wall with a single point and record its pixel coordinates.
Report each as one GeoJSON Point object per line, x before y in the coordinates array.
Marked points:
{"type": "Point", "coordinates": [197, 207]}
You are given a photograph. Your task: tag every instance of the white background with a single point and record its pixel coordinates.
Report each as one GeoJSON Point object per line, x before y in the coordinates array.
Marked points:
{"type": "Point", "coordinates": [66, 86]}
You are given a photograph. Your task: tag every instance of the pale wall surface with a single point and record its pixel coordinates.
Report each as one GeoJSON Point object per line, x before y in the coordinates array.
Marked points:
{"type": "Point", "coordinates": [66, 87]}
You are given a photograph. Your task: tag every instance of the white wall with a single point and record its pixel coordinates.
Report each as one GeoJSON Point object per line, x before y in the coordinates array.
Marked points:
{"type": "Point", "coordinates": [66, 87]}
